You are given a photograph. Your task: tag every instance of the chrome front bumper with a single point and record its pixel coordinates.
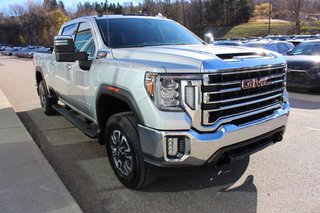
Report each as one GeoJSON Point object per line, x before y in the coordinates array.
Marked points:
{"type": "Point", "coordinates": [201, 146]}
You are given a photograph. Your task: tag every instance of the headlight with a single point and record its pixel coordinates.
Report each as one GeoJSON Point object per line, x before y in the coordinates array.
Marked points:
{"type": "Point", "coordinates": [165, 90]}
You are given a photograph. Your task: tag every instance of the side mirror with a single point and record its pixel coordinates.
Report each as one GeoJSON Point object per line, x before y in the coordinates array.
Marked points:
{"type": "Point", "coordinates": [65, 50]}
{"type": "Point", "coordinates": [208, 38]}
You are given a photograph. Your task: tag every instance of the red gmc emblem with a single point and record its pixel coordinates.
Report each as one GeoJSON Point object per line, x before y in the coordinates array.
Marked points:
{"type": "Point", "coordinates": [255, 82]}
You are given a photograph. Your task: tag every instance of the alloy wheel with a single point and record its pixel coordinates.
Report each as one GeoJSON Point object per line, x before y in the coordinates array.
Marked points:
{"type": "Point", "coordinates": [121, 152]}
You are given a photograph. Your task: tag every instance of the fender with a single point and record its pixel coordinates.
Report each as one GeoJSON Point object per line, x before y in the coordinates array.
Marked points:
{"type": "Point", "coordinates": [122, 95]}
{"type": "Point", "coordinates": [51, 91]}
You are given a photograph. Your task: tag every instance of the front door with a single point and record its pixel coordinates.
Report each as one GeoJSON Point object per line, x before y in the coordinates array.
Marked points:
{"type": "Point", "coordinates": [80, 87]}
{"type": "Point", "coordinates": [62, 75]}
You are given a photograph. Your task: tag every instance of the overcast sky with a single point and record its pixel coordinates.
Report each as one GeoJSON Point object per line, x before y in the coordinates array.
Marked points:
{"type": "Point", "coordinates": [69, 4]}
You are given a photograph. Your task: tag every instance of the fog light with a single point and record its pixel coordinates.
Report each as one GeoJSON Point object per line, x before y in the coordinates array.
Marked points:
{"type": "Point", "coordinates": [172, 147]}
{"type": "Point", "coordinates": [175, 147]}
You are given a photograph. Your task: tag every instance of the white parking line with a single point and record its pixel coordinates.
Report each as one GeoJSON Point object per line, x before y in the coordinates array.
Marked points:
{"type": "Point", "coordinates": [315, 129]}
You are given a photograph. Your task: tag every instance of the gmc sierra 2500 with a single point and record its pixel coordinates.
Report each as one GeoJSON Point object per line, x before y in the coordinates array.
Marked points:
{"type": "Point", "coordinates": [159, 97]}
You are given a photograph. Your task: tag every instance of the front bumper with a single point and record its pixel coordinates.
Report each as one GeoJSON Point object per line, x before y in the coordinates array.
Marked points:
{"type": "Point", "coordinates": [309, 85]}
{"type": "Point", "coordinates": [201, 147]}
{"type": "Point", "coordinates": [303, 79]}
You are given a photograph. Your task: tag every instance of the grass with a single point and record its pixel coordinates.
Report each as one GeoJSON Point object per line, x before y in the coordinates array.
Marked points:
{"type": "Point", "coordinates": [252, 29]}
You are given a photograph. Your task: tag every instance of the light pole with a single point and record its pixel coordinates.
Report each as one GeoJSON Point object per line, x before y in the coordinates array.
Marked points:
{"type": "Point", "coordinates": [269, 31]}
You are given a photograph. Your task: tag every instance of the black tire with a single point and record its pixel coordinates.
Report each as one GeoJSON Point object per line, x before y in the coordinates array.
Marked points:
{"type": "Point", "coordinates": [46, 102]}
{"type": "Point", "coordinates": [131, 172]}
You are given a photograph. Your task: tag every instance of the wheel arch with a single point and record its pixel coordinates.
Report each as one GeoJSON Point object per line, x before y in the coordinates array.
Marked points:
{"type": "Point", "coordinates": [38, 77]}
{"type": "Point", "coordinates": [111, 100]}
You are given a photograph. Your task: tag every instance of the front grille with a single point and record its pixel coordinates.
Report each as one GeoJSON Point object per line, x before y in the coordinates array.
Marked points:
{"type": "Point", "coordinates": [224, 97]}
{"type": "Point", "coordinates": [297, 76]}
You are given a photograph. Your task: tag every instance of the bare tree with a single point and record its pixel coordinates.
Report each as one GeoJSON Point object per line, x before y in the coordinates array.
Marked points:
{"type": "Point", "coordinates": [297, 5]}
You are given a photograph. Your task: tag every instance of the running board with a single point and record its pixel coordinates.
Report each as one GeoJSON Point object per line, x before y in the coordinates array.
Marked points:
{"type": "Point", "coordinates": [82, 125]}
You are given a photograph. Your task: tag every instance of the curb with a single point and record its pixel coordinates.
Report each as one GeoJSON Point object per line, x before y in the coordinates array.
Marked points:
{"type": "Point", "coordinates": [28, 183]}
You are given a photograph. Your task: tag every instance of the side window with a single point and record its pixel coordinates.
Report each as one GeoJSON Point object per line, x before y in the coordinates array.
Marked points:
{"type": "Point", "coordinates": [272, 47]}
{"type": "Point", "coordinates": [289, 46]}
{"type": "Point", "coordinates": [84, 41]}
{"type": "Point", "coordinates": [282, 48]}
{"type": "Point", "coordinates": [69, 30]}
{"type": "Point", "coordinates": [275, 48]}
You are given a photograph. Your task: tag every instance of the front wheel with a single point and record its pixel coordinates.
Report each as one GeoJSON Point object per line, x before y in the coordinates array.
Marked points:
{"type": "Point", "coordinates": [124, 152]}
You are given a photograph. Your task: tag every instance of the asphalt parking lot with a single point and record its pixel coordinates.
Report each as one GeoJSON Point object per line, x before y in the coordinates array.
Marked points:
{"type": "Point", "coordinates": [281, 178]}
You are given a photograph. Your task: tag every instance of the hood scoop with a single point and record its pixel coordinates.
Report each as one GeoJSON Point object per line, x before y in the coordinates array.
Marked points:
{"type": "Point", "coordinates": [240, 56]}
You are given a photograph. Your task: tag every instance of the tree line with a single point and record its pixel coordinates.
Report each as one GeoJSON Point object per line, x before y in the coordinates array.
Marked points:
{"type": "Point", "coordinates": [36, 23]}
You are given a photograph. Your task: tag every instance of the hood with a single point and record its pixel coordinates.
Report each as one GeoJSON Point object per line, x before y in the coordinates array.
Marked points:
{"type": "Point", "coordinates": [196, 58]}
{"type": "Point", "coordinates": [302, 62]}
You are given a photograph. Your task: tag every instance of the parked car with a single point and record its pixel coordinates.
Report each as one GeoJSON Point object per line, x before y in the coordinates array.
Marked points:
{"type": "Point", "coordinates": [22, 52]}
{"type": "Point", "coordinates": [277, 37]}
{"type": "Point", "coordinates": [44, 50]}
{"type": "Point", "coordinates": [39, 49]}
{"type": "Point", "coordinates": [15, 51]}
{"type": "Point", "coordinates": [304, 66]}
{"type": "Point", "coordinates": [11, 51]}
{"type": "Point", "coordinates": [228, 43]}
{"type": "Point", "coordinates": [281, 47]}
{"type": "Point", "coordinates": [305, 37]}
{"type": "Point", "coordinates": [5, 49]}
{"type": "Point", "coordinates": [296, 42]}
{"type": "Point", "coordinates": [2, 48]}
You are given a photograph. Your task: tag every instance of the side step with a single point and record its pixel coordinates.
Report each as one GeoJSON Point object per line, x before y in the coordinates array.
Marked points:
{"type": "Point", "coordinates": [82, 125]}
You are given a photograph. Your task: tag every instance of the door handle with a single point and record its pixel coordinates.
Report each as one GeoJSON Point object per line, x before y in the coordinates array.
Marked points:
{"type": "Point", "coordinates": [52, 63]}
{"type": "Point", "coordinates": [69, 66]}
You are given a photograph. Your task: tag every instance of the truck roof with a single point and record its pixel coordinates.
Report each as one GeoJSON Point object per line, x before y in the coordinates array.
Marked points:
{"type": "Point", "coordinates": [98, 17]}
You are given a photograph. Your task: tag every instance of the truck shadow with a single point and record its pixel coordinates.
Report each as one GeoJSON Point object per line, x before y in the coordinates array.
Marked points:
{"type": "Point", "coordinates": [215, 190]}
{"type": "Point", "coordinates": [83, 167]}
{"type": "Point", "coordinates": [222, 177]}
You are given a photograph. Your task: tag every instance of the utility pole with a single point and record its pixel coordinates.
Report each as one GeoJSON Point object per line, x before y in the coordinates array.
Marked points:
{"type": "Point", "coordinates": [225, 11]}
{"type": "Point", "coordinates": [269, 31]}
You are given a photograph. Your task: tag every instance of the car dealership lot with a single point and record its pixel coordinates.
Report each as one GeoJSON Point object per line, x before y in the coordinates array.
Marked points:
{"type": "Point", "coordinates": [281, 178]}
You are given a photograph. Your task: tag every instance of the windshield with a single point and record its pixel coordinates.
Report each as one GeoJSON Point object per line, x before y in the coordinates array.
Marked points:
{"type": "Point", "coordinates": [140, 32]}
{"type": "Point", "coordinates": [310, 48]}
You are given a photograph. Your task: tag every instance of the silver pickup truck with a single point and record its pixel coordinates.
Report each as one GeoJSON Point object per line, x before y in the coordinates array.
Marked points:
{"type": "Point", "coordinates": [159, 97]}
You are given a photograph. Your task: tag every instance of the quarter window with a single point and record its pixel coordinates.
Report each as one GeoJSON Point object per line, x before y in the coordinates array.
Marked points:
{"type": "Point", "coordinates": [69, 30]}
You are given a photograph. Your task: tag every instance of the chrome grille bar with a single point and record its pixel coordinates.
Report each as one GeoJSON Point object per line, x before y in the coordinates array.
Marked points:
{"type": "Point", "coordinates": [206, 97]}
{"type": "Point", "coordinates": [228, 119]}
{"type": "Point", "coordinates": [245, 103]}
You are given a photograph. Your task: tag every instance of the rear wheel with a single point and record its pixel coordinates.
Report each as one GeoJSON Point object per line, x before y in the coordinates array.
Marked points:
{"type": "Point", "coordinates": [46, 102]}
{"type": "Point", "coordinates": [124, 152]}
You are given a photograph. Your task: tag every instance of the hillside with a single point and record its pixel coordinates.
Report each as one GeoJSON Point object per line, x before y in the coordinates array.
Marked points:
{"type": "Point", "coordinates": [252, 29]}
